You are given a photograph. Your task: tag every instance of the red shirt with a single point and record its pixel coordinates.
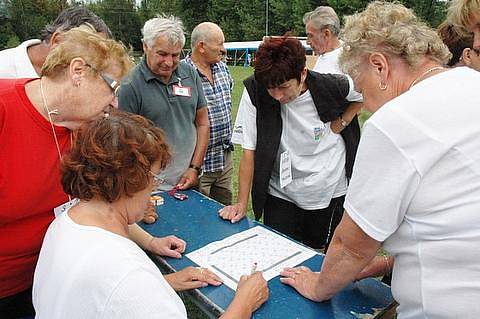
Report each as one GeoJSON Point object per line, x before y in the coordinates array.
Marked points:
{"type": "Point", "coordinates": [29, 184]}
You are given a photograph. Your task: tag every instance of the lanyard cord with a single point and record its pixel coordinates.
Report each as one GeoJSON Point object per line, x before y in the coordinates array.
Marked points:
{"type": "Point", "coordinates": [45, 105]}
{"type": "Point", "coordinates": [286, 127]}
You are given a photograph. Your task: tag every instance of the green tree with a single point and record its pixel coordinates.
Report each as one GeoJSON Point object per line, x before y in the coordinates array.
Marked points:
{"type": "Point", "coordinates": [28, 17]}
{"type": "Point", "coordinates": [193, 12]}
{"type": "Point", "coordinates": [252, 17]}
{"type": "Point", "coordinates": [225, 13]}
{"type": "Point", "coordinates": [431, 11]}
{"type": "Point", "coordinates": [151, 8]}
{"type": "Point", "coordinates": [122, 18]}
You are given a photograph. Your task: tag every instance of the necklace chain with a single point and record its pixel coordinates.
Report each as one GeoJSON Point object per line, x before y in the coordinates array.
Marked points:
{"type": "Point", "coordinates": [45, 105]}
{"type": "Point", "coordinates": [421, 76]}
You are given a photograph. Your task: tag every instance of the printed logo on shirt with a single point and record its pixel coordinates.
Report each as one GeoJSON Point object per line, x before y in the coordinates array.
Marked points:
{"type": "Point", "coordinates": [238, 129]}
{"type": "Point", "coordinates": [317, 133]}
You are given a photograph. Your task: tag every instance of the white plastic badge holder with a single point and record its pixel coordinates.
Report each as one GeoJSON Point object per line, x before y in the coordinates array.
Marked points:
{"type": "Point", "coordinates": [285, 169]}
{"type": "Point", "coordinates": [182, 90]}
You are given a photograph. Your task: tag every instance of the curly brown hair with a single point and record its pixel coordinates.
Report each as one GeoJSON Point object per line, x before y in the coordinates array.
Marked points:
{"type": "Point", "coordinates": [111, 157]}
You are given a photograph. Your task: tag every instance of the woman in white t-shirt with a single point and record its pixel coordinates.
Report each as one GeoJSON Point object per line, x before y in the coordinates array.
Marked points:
{"type": "Point", "coordinates": [415, 187]}
{"type": "Point", "coordinates": [88, 266]}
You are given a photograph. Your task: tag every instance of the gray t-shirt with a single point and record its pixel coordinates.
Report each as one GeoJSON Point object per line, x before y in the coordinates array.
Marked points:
{"type": "Point", "coordinates": [143, 93]}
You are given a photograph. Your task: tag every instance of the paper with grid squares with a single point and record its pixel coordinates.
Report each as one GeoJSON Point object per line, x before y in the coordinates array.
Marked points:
{"type": "Point", "coordinates": [234, 256]}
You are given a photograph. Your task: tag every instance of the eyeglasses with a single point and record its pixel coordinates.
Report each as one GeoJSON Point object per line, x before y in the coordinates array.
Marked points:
{"type": "Point", "coordinates": [476, 50]}
{"type": "Point", "coordinates": [157, 180]}
{"type": "Point", "coordinates": [114, 85]}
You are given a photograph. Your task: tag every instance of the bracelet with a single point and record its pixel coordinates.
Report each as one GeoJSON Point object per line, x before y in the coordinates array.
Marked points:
{"type": "Point", "coordinates": [198, 169]}
{"type": "Point", "coordinates": [343, 122]}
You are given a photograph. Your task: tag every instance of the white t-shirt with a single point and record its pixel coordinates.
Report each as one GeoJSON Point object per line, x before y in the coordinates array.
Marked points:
{"type": "Point", "coordinates": [317, 154]}
{"type": "Point", "coordinates": [15, 63]}
{"type": "Point", "coordinates": [88, 272]}
{"type": "Point", "coordinates": [416, 186]}
{"type": "Point", "coordinates": [328, 63]}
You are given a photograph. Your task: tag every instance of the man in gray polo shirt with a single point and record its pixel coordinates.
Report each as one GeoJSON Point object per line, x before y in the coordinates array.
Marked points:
{"type": "Point", "coordinates": [170, 94]}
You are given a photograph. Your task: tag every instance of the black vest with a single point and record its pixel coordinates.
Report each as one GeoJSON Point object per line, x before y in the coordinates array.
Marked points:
{"type": "Point", "coordinates": [328, 93]}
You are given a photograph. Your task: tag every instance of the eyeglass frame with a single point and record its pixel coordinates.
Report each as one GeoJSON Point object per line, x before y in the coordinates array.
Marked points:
{"type": "Point", "coordinates": [157, 180]}
{"type": "Point", "coordinates": [113, 84]}
{"type": "Point", "coordinates": [476, 50]}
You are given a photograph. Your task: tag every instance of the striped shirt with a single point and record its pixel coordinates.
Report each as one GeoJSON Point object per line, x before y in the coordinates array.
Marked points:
{"type": "Point", "coordinates": [219, 101]}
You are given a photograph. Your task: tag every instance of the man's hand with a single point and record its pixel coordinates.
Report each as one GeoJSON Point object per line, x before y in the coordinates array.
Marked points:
{"type": "Point", "coordinates": [188, 179]}
{"type": "Point", "coordinates": [170, 246]}
{"type": "Point", "coordinates": [303, 280]}
{"type": "Point", "coordinates": [233, 212]}
{"type": "Point", "coordinates": [192, 278]}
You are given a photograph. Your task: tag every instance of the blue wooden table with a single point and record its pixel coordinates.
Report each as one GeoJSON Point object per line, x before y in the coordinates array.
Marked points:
{"type": "Point", "coordinates": [196, 221]}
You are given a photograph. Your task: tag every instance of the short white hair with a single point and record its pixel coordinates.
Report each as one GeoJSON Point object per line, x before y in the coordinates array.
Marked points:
{"type": "Point", "coordinates": [323, 17]}
{"type": "Point", "coordinates": [162, 25]}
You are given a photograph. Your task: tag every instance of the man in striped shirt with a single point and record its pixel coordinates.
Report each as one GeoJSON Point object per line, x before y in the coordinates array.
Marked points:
{"type": "Point", "coordinates": [207, 53]}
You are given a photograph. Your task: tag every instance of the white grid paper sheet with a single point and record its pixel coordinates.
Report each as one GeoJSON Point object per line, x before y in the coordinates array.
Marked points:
{"type": "Point", "coordinates": [234, 256]}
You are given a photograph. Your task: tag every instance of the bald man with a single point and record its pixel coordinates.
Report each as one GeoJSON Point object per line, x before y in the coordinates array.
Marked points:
{"type": "Point", "coordinates": [207, 54]}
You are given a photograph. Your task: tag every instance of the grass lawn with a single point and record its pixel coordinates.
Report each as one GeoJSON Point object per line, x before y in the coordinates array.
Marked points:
{"type": "Point", "coordinates": [239, 73]}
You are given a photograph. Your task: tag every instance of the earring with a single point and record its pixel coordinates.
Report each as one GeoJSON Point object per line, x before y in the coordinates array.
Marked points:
{"type": "Point", "coordinates": [382, 86]}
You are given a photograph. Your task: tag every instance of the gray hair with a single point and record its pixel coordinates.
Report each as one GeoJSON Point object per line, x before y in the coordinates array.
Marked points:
{"type": "Point", "coordinates": [392, 29]}
{"type": "Point", "coordinates": [202, 32]}
{"type": "Point", "coordinates": [162, 25]}
{"type": "Point", "coordinates": [323, 17]}
{"type": "Point", "coordinates": [72, 18]}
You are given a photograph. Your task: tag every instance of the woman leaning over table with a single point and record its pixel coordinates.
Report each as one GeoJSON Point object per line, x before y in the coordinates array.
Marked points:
{"type": "Point", "coordinates": [88, 267]}
{"type": "Point", "coordinates": [37, 117]}
{"type": "Point", "coordinates": [416, 182]}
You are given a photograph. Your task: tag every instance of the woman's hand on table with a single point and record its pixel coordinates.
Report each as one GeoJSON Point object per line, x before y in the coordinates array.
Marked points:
{"type": "Point", "coordinates": [192, 278]}
{"type": "Point", "coordinates": [170, 246]}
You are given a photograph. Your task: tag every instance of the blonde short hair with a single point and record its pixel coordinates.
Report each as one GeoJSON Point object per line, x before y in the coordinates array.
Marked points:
{"type": "Point", "coordinates": [97, 51]}
{"type": "Point", "coordinates": [460, 13]}
{"type": "Point", "coordinates": [392, 29]}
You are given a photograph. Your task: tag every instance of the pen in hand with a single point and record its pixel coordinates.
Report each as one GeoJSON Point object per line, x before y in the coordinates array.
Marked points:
{"type": "Point", "coordinates": [254, 268]}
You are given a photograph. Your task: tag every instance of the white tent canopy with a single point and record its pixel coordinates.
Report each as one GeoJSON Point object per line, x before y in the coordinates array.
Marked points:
{"type": "Point", "coordinates": [253, 45]}
{"type": "Point", "coordinates": [240, 52]}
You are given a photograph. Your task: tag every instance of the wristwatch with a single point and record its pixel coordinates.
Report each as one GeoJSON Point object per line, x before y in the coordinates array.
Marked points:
{"type": "Point", "coordinates": [343, 122]}
{"type": "Point", "coordinates": [195, 167]}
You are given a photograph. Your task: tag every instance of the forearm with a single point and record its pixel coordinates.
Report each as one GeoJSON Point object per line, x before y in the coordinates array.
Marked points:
{"type": "Point", "coordinates": [237, 310]}
{"type": "Point", "coordinates": [245, 176]}
{"type": "Point", "coordinates": [203, 135]}
{"type": "Point", "coordinates": [352, 110]}
{"type": "Point", "coordinates": [140, 236]}
{"type": "Point", "coordinates": [350, 251]}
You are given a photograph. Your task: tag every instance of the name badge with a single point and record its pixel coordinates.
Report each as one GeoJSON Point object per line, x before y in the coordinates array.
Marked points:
{"type": "Point", "coordinates": [285, 169]}
{"type": "Point", "coordinates": [65, 206]}
{"type": "Point", "coordinates": [182, 90]}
